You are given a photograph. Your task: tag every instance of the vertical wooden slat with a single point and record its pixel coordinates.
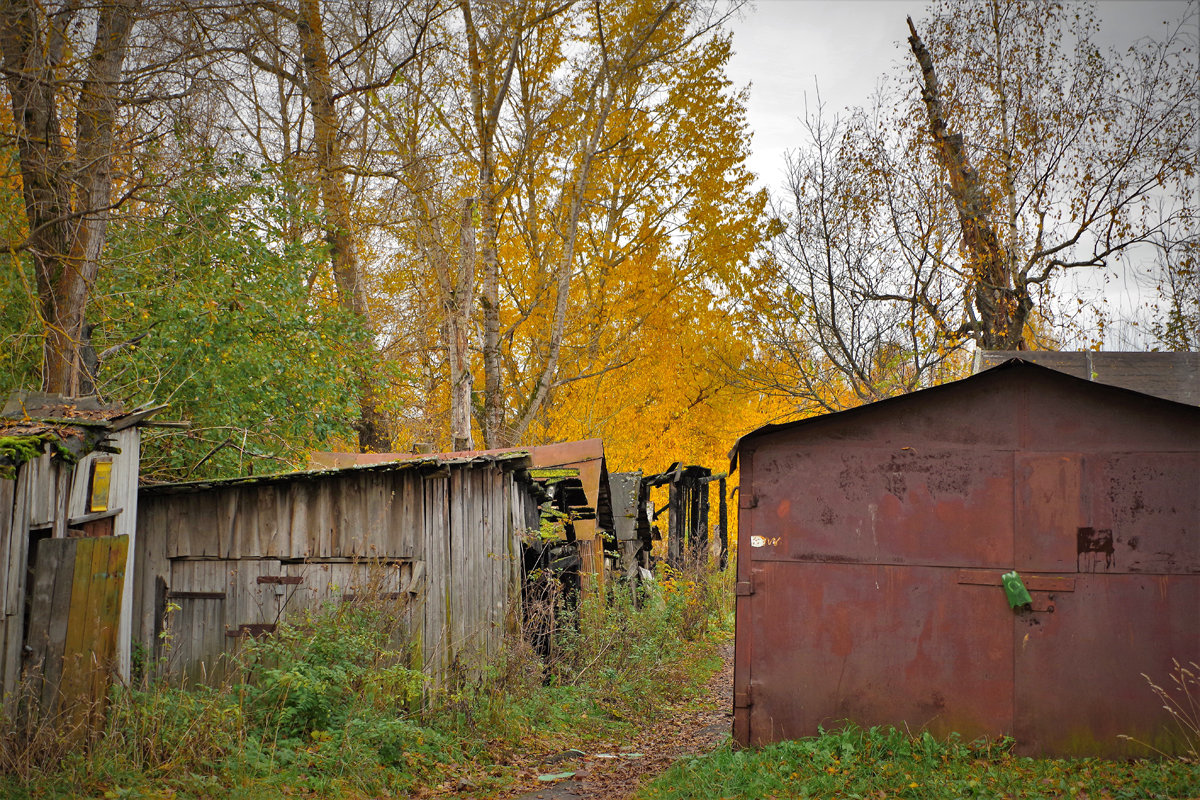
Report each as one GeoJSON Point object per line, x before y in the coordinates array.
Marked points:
{"type": "Point", "coordinates": [267, 532]}
{"type": "Point", "coordinates": [107, 589]}
{"type": "Point", "coordinates": [8, 503]}
{"type": "Point", "coordinates": [472, 556]}
{"type": "Point", "coordinates": [227, 524]}
{"type": "Point", "coordinates": [494, 514]}
{"type": "Point", "coordinates": [286, 524]}
{"type": "Point", "coordinates": [77, 667]}
{"type": "Point", "coordinates": [461, 560]}
{"type": "Point", "coordinates": [49, 602]}
{"type": "Point", "coordinates": [79, 485]}
{"type": "Point", "coordinates": [146, 569]}
{"type": "Point", "coordinates": [61, 496]}
{"type": "Point", "coordinates": [375, 540]}
{"type": "Point", "coordinates": [437, 528]}
{"type": "Point", "coordinates": [349, 534]}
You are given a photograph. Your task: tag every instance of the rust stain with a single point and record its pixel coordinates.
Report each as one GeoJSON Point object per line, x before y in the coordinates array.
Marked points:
{"type": "Point", "coordinates": [1090, 545]}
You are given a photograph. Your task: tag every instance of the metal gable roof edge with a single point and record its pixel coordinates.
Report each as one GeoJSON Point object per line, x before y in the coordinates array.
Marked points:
{"type": "Point", "coordinates": [1010, 364]}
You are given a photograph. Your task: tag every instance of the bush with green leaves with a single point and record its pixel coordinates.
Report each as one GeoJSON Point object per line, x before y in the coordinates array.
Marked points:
{"type": "Point", "coordinates": [235, 336]}
{"type": "Point", "coordinates": [315, 676]}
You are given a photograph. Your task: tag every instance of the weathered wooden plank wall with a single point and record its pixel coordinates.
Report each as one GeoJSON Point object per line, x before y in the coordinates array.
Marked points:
{"type": "Point", "coordinates": [241, 555]}
{"type": "Point", "coordinates": [74, 617]}
{"type": "Point", "coordinates": [12, 542]}
{"type": "Point", "coordinates": [46, 500]}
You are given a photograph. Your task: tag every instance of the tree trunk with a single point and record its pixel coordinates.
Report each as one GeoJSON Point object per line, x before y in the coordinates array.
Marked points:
{"type": "Point", "coordinates": [458, 333]}
{"type": "Point", "coordinates": [343, 255]}
{"type": "Point", "coordinates": [589, 146]}
{"type": "Point", "coordinates": [1003, 304]}
{"type": "Point", "coordinates": [489, 88]}
{"type": "Point", "coordinates": [65, 238]}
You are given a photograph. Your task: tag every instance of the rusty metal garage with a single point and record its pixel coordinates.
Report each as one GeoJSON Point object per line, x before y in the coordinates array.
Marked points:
{"type": "Point", "coordinates": [872, 544]}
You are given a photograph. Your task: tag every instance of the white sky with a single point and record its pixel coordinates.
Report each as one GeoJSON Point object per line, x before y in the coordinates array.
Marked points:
{"type": "Point", "coordinates": [846, 46]}
{"type": "Point", "coordinates": [781, 46]}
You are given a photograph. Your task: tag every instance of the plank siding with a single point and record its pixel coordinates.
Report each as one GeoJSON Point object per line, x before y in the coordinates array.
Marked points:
{"type": "Point", "coordinates": [9, 623]}
{"type": "Point", "coordinates": [15, 571]}
{"type": "Point", "coordinates": [441, 537]}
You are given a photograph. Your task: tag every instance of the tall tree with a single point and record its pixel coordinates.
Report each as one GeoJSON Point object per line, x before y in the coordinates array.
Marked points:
{"type": "Point", "coordinates": [1056, 153]}
{"type": "Point", "coordinates": [955, 208]}
{"type": "Point", "coordinates": [302, 73]}
{"type": "Point", "coordinates": [339, 227]}
{"type": "Point", "coordinates": [66, 174]}
{"type": "Point", "coordinates": [528, 109]}
{"type": "Point", "coordinates": [837, 324]}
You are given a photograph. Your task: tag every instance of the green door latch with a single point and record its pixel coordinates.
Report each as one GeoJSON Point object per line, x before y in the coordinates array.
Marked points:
{"type": "Point", "coordinates": [1018, 595]}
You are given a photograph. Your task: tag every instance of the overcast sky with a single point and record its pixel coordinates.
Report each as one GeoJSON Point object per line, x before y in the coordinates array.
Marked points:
{"type": "Point", "coordinates": [782, 46]}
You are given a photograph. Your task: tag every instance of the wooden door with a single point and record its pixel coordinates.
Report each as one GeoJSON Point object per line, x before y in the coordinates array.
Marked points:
{"type": "Point", "coordinates": [75, 608]}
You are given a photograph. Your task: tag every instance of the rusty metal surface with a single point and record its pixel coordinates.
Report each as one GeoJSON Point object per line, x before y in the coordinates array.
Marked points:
{"type": "Point", "coordinates": [871, 547]}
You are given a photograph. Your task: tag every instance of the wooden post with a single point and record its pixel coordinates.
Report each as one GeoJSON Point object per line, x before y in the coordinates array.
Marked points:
{"type": "Point", "coordinates": [700, 543]}
{"type": "Point", "coordinates": [674, 527]}
{"type": "Point", "coordinates": [723, 526]}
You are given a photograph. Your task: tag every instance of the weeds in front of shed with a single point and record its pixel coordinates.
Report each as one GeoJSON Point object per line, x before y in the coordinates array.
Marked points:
{"type": "Point", "coordinates": [1180, 698]}
{"type": "Point", "coordinates": [887, 763]}
{"type": "Point", "coordinates": [330, 705]}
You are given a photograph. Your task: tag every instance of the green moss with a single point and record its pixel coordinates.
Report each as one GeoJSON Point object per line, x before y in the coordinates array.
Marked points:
{"type": "Point", "coordinates": [16, 450]}
{"type": "Point", "coordinates": [543, 473]}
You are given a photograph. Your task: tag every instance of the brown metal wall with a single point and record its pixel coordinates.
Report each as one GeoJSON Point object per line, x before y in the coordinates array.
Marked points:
{"type": "Point", "coordinates": [872, 542]}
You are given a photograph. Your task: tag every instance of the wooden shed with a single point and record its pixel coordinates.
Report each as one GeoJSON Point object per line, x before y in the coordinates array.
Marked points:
{"type": "Point", "coordinates": [233, 557]}
{"type": "Point", "coordinates": [575, 472]}
{"type": "Point", "coordinates": [68, 510]}
{"type": "Point", "coordinates": [873, 543]}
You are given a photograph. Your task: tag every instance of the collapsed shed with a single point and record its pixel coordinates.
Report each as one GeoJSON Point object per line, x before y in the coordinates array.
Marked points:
{"type": "Point", "coordinates": [221, 560]}
{"type": "Point", "coordinates": [873, 544]}
{"type": "Point", "coordinates": [575, 475]}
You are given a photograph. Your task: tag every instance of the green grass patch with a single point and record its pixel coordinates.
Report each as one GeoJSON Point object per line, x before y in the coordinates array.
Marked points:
{"type": "Point", "coordinates": [884, 763]}
{"type": "Point", "coordinates": [328, 707]}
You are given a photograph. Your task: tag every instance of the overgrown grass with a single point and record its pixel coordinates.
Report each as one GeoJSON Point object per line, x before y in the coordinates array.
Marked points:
{"type": "Point", "coordinates": [887, 763]}
{"type": "Point", "coordinates": [328, 706]}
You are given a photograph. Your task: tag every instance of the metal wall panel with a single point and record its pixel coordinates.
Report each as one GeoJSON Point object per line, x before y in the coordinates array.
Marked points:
{"type": "Point", "coordinates": [872, 543]}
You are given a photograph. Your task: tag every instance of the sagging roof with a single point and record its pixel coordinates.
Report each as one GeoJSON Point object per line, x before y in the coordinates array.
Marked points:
{"type": "Point", "coordinates": [1014, 364]}
{"type": "Point", "coordinates": [513, 459]}
{"type": "Point", "coordinates": [75, 425]}
{"type": "Point", "coordinates": [1171, 376]}
{"type": "Point", "coordinates": [586, 456]}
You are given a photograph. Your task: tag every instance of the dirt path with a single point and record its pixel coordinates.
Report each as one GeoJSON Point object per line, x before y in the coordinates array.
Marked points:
{"type": "Point", "coordinates": [616, 775]}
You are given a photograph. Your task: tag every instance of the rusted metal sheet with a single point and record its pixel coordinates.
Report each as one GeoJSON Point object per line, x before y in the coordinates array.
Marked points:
{"type": "Point", "coordinates": [872, 543]}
